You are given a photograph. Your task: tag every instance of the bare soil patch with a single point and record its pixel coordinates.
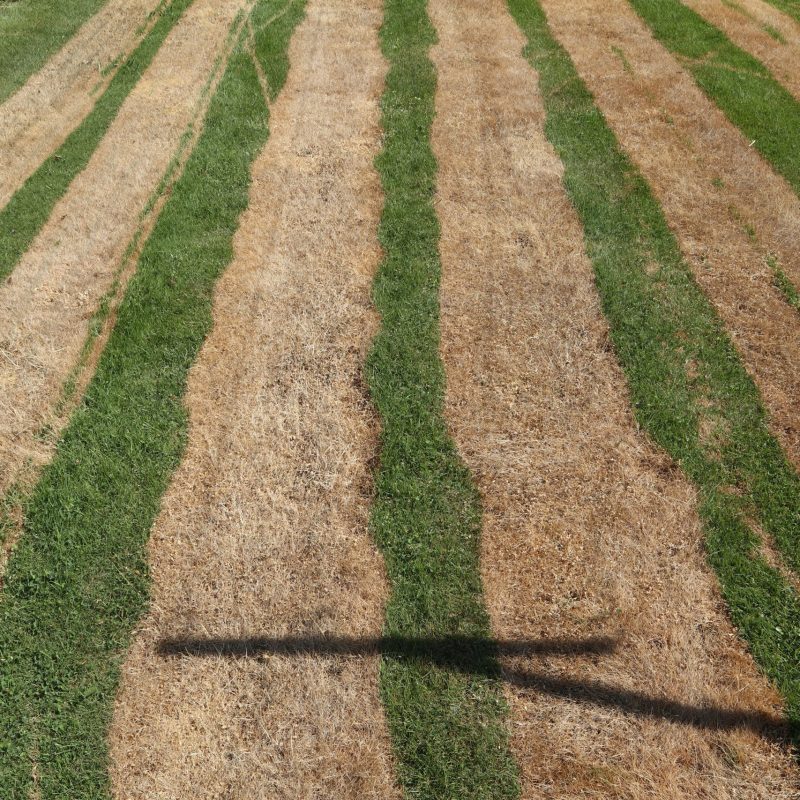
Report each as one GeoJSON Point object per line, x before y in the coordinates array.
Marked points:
{"type": "Point", "coordinates": [727, 208]}
{"type": "Point", "coordinates": [591, 541]}
{"type": "Point", "coordinates": [46, 304]}
{"type": "Point", "coordinates": [754, 26]}
{"type": "Point", "coordinates": [37, 118]}
{"type": "Point", "coordinates": [263, 531]}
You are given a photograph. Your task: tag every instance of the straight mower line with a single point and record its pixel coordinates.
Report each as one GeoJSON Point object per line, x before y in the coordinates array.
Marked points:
{"type": "Point", "coordinates": [738, 83]}
{"type": "Point", "coordinates": [77, 582]}
{"type": "Point", "coordinates": [31, 32]}
{"type": "Point", "coordinates": [24, 215]}
{"type": "Point", "coordinates": [448, 726]}
{"type": "Point", "coordinates": [689, 389]}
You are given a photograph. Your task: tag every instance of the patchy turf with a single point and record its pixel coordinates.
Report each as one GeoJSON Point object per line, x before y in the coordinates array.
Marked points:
{"type": "Point", "coordinates": [78, 580]}
{"type": "Point", "coordinates": [31, 31]}
{"type": "Point", "coordinates": [446, 716]}
{"type": "Point", "coordinates": [784, 283]}
{"type": "Point", "coordinates": [737, 82]}
{"type": "Point", "coordinates": [682, 369]}
{"type": "Point", "coordinates": [30, 207]}
{"type": "Point", "coordinates": [790, 7]}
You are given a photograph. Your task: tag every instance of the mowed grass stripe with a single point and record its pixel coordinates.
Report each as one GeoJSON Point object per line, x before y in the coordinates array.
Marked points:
{"type": "Point", "coordinates": [78, 582]}
{"type": "Point", "coordinates": [790, 7]}
{"type": "Point", "coordinates": [689, 388]}
{"type": "Point", "coordinates": [446, 715]}
{"type": "Point", "coordinates": [31, 206]}
{"type": "Point", "coordinates": [742, 87]}
{"type": "Point", "coordinates": [31, 31]}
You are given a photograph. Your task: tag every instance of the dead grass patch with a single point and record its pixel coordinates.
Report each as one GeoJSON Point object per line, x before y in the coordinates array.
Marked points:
{"type": "Point", "coordinates": [47, 304]}
{"type": "Point", "coordinates": [263, 531]}
{"type": "Point", "coordinates": [588, 530]}
{"type": "Point", "coordinates": [37, 118]}
{"type": "Point", "coordinates": [697, 186]}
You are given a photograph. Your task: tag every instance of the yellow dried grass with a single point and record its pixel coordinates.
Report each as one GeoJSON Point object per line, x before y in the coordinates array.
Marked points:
{"type": "Point", "coordinates": [263, 532]}
{"type": "Point", "coordinates": [39, 116]}
{"type": "Point", "coordinates": [588, 530]}
{"type": "Point", "coordinates": [746, 24]}
{"type": "Point", "coordinates": [711, 184]}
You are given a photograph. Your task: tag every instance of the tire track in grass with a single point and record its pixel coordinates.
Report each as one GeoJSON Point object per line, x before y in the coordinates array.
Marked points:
{"type": "Point", "coordinates": [29, 209]}
{"type": "Point", "coordinates": [736, 221]}
{"type": "Point", "coordinates": [679, 364]}
{"type": "Point", "coordinates": [263, 533]}
{"type": "Point", "coordinates": [738, 83]}
{"type": "Point", "coordinates": [42, 113]}
{"type": "Point", "coordinates": [759, 30]}
{"type": "Point", "coordinates": [446, 716]}
{"type": "Point", "coordinates": [31, 32]}
{"type": "Point", "coordinates": [589, 534]}
{"type": "Point", "coordinates": [77, 582]}
{"type": "Point", "coordinates": [47, 305]}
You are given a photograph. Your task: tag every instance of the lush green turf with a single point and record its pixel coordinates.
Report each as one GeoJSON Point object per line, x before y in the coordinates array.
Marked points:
{"type": "Point", "coordinates": [680, 364]}
{"type": "Point", "coordinates": [77, 582]}
{"type": "Point", "coordinates": [446, 719]}
{"type": "Point", "coordinates": [33, 30]}
{"type": "Point", "coordinates": [739, 84]}
{"type": "Point", "coordinates": [29, 209]}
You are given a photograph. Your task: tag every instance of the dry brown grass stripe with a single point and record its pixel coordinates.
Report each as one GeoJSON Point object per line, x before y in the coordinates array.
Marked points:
{"type": "Point", "coordinates": [12, 503]}
{"type": "Point", "coordinates": [588, 530]}
{"type": "Point", "coordinates": [263, 532]}
{"type": "Point", "coordinates": [760, 30]}
{"type": "Point", "coordinates": [47, 305]}
{"type": "Point", "coordinates": [732, 216]}
{"type": "Point", "coordinates": [38, 117]}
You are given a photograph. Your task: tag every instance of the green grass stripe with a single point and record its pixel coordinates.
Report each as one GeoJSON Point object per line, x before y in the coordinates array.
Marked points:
{"type": "Point", "coordinates": [446, 715]}
{"type": "Point", "coordinates": [680, 364]}
{"type": "Point", "coordinates": [78, 581]}
{"type": "Point", "coordinates": [31, 206]}
{"type": "Point", "coordinates": [33, 30]}
{"type": "Point", "coordinates": [738, 83]}
{"type": "Point", "coordinates": [784, 283]}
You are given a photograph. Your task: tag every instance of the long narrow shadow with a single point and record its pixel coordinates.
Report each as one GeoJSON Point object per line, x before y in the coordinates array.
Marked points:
{"type": "Point", "coordinates": [477, 656]}
{"type": "Point", "coordinates": [449, 651]}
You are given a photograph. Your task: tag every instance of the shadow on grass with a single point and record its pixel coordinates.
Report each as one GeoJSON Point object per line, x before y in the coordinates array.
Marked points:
{"type": "Point", "coordinates": [477, 656]}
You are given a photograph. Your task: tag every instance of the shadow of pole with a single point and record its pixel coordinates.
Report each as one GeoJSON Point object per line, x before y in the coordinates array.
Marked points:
{"type": "Point", "coordinates": [478, 656]}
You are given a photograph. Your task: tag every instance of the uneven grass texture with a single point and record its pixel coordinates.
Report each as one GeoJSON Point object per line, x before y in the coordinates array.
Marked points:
{"type": "Point", "coordinates": [679, 364]}
{"type": "Point", "coordinates": [591, 552]}
{"type": "Point", "coordinates": [45, 308]}
{"type": "Point", "coordinates": [790, 7]}
{"type": "Point", "coordinates": [760, 30]}
{"type": "Point", "coordinates": [41, 114]}
{"type": "Point", "coordinates": [736, 222]}
{"type": "Point", "coordinates": [738, 83]}
{"type": "Point", "coordinates": [22, 219]}
{"type": "Point", "coordinates": [255, 675]}
{"type": "Point", "coordinates": [31, 31]}
{"type": "Point", "coordinates": [443, 702]}
{"type": "Point", "coordinates": [77, 582]}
